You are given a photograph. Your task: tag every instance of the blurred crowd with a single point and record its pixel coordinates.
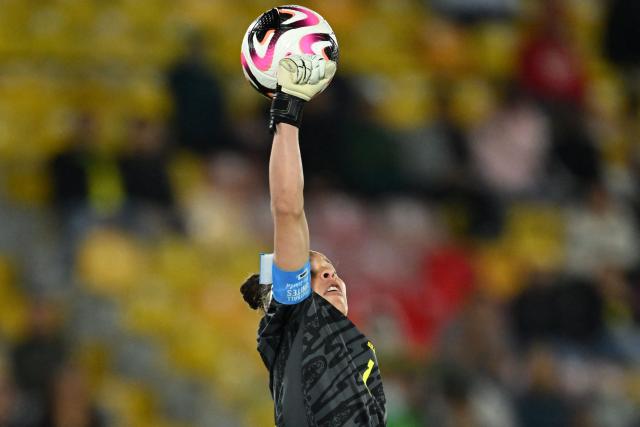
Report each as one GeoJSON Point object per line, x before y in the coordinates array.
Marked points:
{"type": "Point", "coordinates": [473, 171]}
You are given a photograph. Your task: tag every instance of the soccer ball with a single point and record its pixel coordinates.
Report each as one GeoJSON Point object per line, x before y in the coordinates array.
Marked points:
{"type": "Point", "coordinates": [281, 32]}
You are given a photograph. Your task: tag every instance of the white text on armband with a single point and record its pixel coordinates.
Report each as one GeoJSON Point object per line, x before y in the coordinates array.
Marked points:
{"type": "Point", "coordinates": [291, 287]}
{"type": "Point", "coordinates": [298, 291]}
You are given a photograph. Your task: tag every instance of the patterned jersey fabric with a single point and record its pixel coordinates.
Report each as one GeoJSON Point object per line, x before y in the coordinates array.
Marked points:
{"type": "Point", "coordinates": [341, 383]}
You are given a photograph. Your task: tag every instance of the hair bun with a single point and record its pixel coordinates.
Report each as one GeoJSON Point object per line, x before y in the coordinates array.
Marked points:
{"type": "Point", "coordinates": [251, 291]}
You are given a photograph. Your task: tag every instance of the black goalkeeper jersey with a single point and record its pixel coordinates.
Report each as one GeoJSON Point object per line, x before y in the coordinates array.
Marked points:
{"type": "Point", "coordinates": [323, 371]}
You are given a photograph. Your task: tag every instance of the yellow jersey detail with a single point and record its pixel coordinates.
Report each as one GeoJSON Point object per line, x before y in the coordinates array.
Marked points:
{"type": "Point", "coordinates": [365, 375]}
{"type": "Point", "coordinates": [371, 346]}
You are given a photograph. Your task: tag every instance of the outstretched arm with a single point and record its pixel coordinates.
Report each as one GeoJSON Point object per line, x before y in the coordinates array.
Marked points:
{"type": "Point", "coordinates": [286, 182]}
{"type": "Point", "coordinates": [300, 78]}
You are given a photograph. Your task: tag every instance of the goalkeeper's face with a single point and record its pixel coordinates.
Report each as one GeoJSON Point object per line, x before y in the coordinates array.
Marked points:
{"type": "Point", "coordinates": [326, 282]}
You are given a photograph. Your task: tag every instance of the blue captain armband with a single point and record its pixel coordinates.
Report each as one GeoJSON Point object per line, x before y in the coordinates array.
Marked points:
{"type": "Point", "coordinates": [291, 287]}
{"type": "Point", "coordinates": [288, 287]}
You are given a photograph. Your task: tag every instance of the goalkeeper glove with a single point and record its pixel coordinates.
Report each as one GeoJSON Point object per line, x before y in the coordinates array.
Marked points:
{"type": "Point", "coordinates": [300, 78]}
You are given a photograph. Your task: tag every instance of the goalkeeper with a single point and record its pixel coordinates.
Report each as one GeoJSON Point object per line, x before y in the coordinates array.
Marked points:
{"type": "Point", "coordinates": [322, 370]}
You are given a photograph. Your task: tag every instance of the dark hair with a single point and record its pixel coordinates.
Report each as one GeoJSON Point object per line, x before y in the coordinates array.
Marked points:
{"type": "Point", "coordinates": [255, 294]}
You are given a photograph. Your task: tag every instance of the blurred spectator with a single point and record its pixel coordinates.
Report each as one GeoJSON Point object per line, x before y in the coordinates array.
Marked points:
{"type": "Point", "coordinates": [434, 158]}
{"type": "Point", "coordinates": [543, 404]}
{"type": "Point", "coordinates": [144, 165]}
{"type": "Point", "coordinates": [553, 71]}
{"type": "Point", "coordinates": [369, 159]}
{"type": "Point", "coordinates": [509, 151]}
{"type": "Point", "coordinates": [550, 67]}
{"type": "Point", "coordinates": [70, 168]}
{"type": "Point", "coordinates": [199, 121]}
{"type": "Point", "coordinates": [37, 357]}
{"type": "Point", "coordinates": [552, 310]}
{"type": "Point", "coordinates": [144, 170]}
{"type": "Point", "coordinates": [601, 233]}
{"type": "Point", "coordinates": [85, 175]}
{"type": "Point", "coordinates": [225, 208]}
{"type": "Point", "coordinates": [69, 403]}
{"type": "Point", "coordinates": [508, 156]}
{"type": "Point", "coordinates": [476, 348]}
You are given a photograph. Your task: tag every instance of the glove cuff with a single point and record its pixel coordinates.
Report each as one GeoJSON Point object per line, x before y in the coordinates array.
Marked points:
{"type": "Point", "coordinates": [285, 108]}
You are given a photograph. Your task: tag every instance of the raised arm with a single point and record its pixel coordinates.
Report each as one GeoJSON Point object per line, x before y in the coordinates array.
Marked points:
{"type": "Point", "coordinates": [286, 182]}
{"type": "Point", "coordinates": [300, 78]}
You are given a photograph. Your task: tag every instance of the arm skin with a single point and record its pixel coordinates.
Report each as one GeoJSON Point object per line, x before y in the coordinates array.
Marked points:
{"type": "Point", "coordinates": [286, 183]}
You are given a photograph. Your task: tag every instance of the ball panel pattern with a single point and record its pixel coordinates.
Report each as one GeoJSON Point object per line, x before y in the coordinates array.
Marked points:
{"type": "Point", "coordinates": [278, 33]}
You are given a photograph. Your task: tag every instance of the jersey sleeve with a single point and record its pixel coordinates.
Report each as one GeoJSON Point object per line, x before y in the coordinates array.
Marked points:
{"type": "Point", "coordinates": [276, 328]}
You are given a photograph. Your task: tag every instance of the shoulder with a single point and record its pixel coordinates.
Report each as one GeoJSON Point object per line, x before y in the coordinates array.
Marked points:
{"type": "Point", "coordinates": [279, 315]}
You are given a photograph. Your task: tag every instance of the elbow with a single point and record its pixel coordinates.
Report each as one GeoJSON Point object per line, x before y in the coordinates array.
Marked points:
{"type": "Point", "coordinates": [286, 208]}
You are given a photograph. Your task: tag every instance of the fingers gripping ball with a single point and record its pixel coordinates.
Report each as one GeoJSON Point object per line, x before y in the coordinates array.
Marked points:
{"type": "Point", "coordinates": [303, 69]}
{"type": "Point", "coordinates": [305, 76]}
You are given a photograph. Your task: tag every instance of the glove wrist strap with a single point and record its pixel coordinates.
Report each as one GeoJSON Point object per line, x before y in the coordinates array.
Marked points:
{"type": "Point", "coordinates": [285, 108]}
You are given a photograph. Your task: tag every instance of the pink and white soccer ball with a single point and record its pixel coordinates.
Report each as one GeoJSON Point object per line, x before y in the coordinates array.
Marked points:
{"type": "Point", "coordinates": [278, 33]}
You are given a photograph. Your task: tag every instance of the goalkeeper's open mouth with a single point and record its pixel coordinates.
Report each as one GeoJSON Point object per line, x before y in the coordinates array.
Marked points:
{"type": "Point", "coordinates": [334, 289]}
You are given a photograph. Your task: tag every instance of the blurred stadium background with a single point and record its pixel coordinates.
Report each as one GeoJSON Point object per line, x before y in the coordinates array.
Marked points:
{"type": "Point", "coordinates": [473, 170]}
